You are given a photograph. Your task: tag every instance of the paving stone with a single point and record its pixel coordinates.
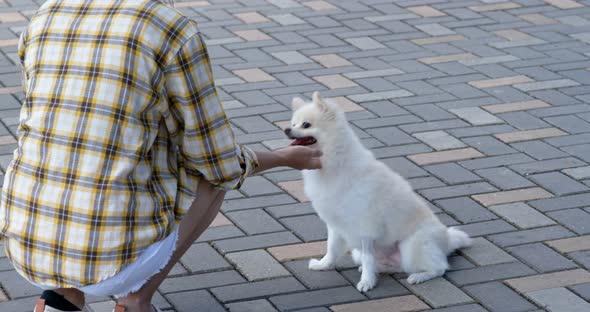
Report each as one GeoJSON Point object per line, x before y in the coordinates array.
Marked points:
{"type": "Point", "coordinates": [457, 190]}
{"type": "Point", "coordinates": [539, 150]}
{"type": "Point", "coordinates": [308, 227]}
{"type": "Point", "coordinates": [447, 58]}
{"type": "Point", "coordinates": [565, 4]}
{"type": "Point", "coordinates": [298, 251]}
{"type": "Point", "coordinates": [526, 135]}
{"type": "Point", "coordinates": [523, 121]}
{"type": "Point", "coordinates": [521, 215]}
{"type": "Point", "coordinates": [255, 221]}
{"type": "Point", "coordinates": [403, 167]}
{"type": "Point", "coordinates": [391, 136]}
{"type": "Point", "coordinates": [511, 196]}
{"type": "Point", "coordinates": [16, 286]}
{"type": "Point", "coordinates": [254, 186]}
{"type": "Point", "coordinates": [219, 232]}
{"type": "Point", "coordinates": [576, 220]}
{"type": "Point", "coordinates": [203, 258]}
{"type": "Point", "coordinates": [505, 81]}
{"type": "Point", "coordinates": [257, 265]}
{"type": "Point", "coordinates": [558, 299]}
{"type": "Point", "coordinates": [530, 236]}
{"type": "Point", "coordinates": [365, 43]}
{"type": "Point", "coordinates": [378, 96]}
{"type": "Point", "coordinates": [547, 165]}
{"type": "Point", "coordinates": [439, 292]}
{"type": "Point", "coordinates": [335, 81]}
{"type": "Point", "coordinates": [482, 252]}
{"type": "Point", "coordinates": [504, 178]}
{"type": "Point", "coordinates": [558, 183]}
{"type": "Point", "coordinates": [542, 85]}
{"type": "Point", "coordinates": [290, 210]}
{"type": "Point", "coordinates": [395, 304]}
{"type": "Point", "coordinates": [186, 301]}
{"type": "Point", "coordinates": [549, 280]}
{"type": "Point", "coordinates": [260, 305]}
{"type": "Point", "coordinates": [581, 257]}
{"type": "Point", "coordinates": [387, 286]}
{"type": "Point", "coordinates": [515, 106]}
{"type": "Point", "coordinates": [563, 202]}
{"type": "Point", "coordinates": [461, 308]}
{"type": "Point", "coordinates": [198, 281]}
{"type": "Point", "coordinates": [256, 202]}
{"type": "Point", "coordinates": [541, 257]}
{"type": "Point", "coordinates": [316, 298]}
{"type": "Point", "coordinates": [445, 156]}
{"type": "Point", "coordinates": [255, 241]}
{"type": "Point", "coordinates": [315, 279]}
{"type": "Point", "coordinates": [489, 273]}
{"type": "Point", "coordinates": [452, 173]}
{"type": "Point", "coordinates": [465, 210]}
{"type": "Point", "coordinates": [426, 11]}
{"type": "Point", "coordinates": [257, 289]}
{"type": "Point", "coordinates": [571, 244]}
{"type": "Point", "coordinates": [439, 140]}
{"type": "Point", "coordinates": [476, 116]}
{"type": "Point", "coordinates": [489, 145]}
{"type": "Point", "coordinates": [497, 297]}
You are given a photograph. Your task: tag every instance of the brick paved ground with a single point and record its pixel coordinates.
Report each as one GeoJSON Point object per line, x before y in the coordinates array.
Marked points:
{"type": "Point", "coordinates": [482, 105]}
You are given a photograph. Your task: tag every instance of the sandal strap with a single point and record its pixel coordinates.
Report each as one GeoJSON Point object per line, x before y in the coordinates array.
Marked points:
{"type": "Point", "coordinates": [119, 308]}
{"type": "Point", "coordinates": [40, 305]}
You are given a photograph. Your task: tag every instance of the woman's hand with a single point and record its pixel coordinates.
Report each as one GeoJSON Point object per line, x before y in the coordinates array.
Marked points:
{"type": "Point", "coordinates": [301, 157]}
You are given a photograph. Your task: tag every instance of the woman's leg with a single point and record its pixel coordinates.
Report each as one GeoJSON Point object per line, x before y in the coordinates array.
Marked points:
{"type": "Point", "coordinates": [195, 222]}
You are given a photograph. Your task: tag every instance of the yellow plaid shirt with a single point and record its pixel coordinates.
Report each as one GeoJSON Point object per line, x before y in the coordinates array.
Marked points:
{"type": "Point", "coordinates": [120, 122]}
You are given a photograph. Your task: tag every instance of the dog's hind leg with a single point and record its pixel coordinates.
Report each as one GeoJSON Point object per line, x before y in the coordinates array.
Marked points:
{"type": "Point", "coordinates": [336, 249]}
{"type": "Point", "coordinates": [369, 264]}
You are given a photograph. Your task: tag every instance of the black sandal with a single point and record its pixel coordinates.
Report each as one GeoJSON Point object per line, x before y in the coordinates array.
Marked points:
{"type": "Point", "coordinates": [51, 301]}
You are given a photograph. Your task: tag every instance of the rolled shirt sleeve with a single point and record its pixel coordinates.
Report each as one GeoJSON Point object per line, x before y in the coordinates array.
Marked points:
{"type": "Point", "coordinates": [205, 140]}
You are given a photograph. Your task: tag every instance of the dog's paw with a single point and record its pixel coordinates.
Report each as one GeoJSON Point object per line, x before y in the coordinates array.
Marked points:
{"type": "Point", "coordinates": [319, 265]}
{"type": "Point", "coordinates": [416, 278]}
{"type": "Point", "coordinates": [360, 269]}
{"type": "Point", "coordinates": [366, 284]}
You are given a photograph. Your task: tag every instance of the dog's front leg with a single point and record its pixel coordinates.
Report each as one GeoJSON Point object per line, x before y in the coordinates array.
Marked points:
{"type": "Point", "coordinates": [336, 249]}
{"type": "Point", "coordinates": [369, 272]}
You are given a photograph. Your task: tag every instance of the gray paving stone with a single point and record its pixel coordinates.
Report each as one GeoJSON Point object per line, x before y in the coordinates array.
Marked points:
{"type": "Point", "coordinates": [404, 167]}
{"type": "Point", "coordinates": [576, 220]}
{"type": "Point", "coordinates": [558, 183]}
{"type": "Point", "coordinates": [549, 84]}
{"type": "Point", "coordinates": [257, 289]}
{"type": "Point", "coordinates": [461, 308]}
{"type": "Point", "coordinates": [16, 286]}
{"type": "Point", "coordinates": [563, 202]}
{"type": "Point", "coordinates": [221, 232]}
{"type": "Point", "coordinates": [257, 265]}
{"type": "Point", "coordinates": [255, 221]}
{"type": "Point", "coordinates": [581, 151]}
{"type": "Point", "coordinates": [260, 305]}
{"type": "Point", "coordinates": [581, 257]}
{"type": "Point", "coordinates": [426, 182]}
{"type": "Point", "coordinates": [547, 165]}
{"type": "Point", "coordinates": [569, 123]}
{"type": "Point", "coordinates": [476, 116]}
{"type": "Point", "coordinates": [504, 178]}
{"type": "Point", "coordinates": [387, 286]}
{"type": "Point", "coordinates": [256, 202]}
{"type": "Point", "coordinates": [457, 190]}
{"type": "Point", "coordinates": [258, 185]}
{"type": "Point", "coordinates": [255, 241]}
{"type": "Point", "coordinates": [308, 227]}
{"type": "Point", "coordinates": [558, 299]}
{"type": "Point", "coordinates": [489, 145]}
{"type": "Point", "coordinates": [290, 210]}
{"type": "Point", "coordinates": [187, 301]}
{"type": "Point", "coordinates": [521, 215]}
{"type": "Point", "coordinates": [496, 161]}
{"type": "Point", "coordinates": [578, 173]}
{"type": "Point", "coordinates": [452, 173]}
{"type": "Point", "coordinates": [315, 298]}
{"type": "Point", "coordinates": [541, 257]}
{"type": "Point", "coordinates": [315, 279]}
{"type": "Point", "coordinates": [483, 252]}
{"type": "Point", "coordinates": [465, 210]}
{"type": "Point", "coordinates": [203, 258]}
{"type": "Point", "coordinates": [486, 228]}
{"type": "Point", "coordinates": [489, 273]}
{"type": "Point", "coordinates": [523, 121]}
{"type": "Point", "coordinates": [439, 292]}
{"type": "Point", "coordinates": [530, 236]}
{"type": "Point", "coordinates": [582, 290]}
{"type": "Point", "coordinates": [439, 140]}
{"type": "Point", "coordinates": [539, 150]}
{"type": "Point", "coordinates": [391, 136]}
{"type": "Point", "coordinates": [199, 281]}
{"type": "Point", "coordinates": [497, 297]}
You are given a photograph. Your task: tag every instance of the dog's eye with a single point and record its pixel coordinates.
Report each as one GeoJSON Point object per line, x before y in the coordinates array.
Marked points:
{"type": "Point", "coordinates": [306, 125]}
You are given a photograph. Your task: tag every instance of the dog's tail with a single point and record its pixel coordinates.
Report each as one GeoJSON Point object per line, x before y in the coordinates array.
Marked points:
{"type": "Point", "coordinates": [457, 239]}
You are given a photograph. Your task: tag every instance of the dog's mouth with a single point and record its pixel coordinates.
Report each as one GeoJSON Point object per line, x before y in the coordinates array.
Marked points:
{"type": "Point", "coordinates": [308, 140]}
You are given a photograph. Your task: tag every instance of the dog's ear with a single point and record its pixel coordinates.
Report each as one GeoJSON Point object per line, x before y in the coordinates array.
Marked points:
{"type": "Point", "coordinates": [317, 100]}
{"type": "Point", "coordinates": [297, 103]}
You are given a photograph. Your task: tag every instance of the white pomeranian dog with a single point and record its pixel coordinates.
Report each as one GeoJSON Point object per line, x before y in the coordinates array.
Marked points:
{"type": "Point", "coordinates": [368, 208]}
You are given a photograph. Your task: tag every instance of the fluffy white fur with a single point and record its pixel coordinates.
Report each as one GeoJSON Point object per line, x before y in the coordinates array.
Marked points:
{"type": "Point", "coordinates": [367, 207]}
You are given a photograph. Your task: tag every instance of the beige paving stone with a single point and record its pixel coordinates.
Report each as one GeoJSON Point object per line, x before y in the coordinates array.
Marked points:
{"type": "Point", "coordinates": [11, 17]}
{"type": "Point", "coordinates": [3, 296]}
{"type": "Point", "coordinates": [565, 4]}
{"type": "Point", "coordinates": [497, 82]}
{"type": "Point", "coordinates": [504, 197]}
{"type": "Point", "coordinates": [441, 39]}
{"type": "Point", "coordinates": [549, 280]}
{"type": "Point", "coordinates": [526, 135]}
{"type": "Point", "coordinates": [295, 189]}
{"type": "Point", "coordinates": [394, 304]}
{"type": "Point", "coordinates": [253, 75]}
{"type": "Point", "coordinates": [447, 58]}
{"type": "Point", "coordinates": [9, 43]}
{"type": "Point", "coordinates": [426, 11]}
{"type": "Point", "coordinates": [495, 7]}
{"type": "Point", "coordinates": [335, 81]}
{"type": "Point", "coordinates": [252, 35]}
{"type": "Point", "coordinates": [571, 244]}
{"type": "Point", "coordinates": [538, 19]}
{"type": "Point", "coordinates": [319, 5]}
{"type": "Point", "coordinates": [189, 4]}
{"type": "Point", "coordinates": [331, 60]}
{"type": "Point", "coordinates": [220, 220]}
{"type": "Point", "coordinates": [7, 139]}
{"type": "Point", "coordinates": [445, 156]}
{"type": "Point", "coordinates": [251, 17]}
{"type": "Point", "coordinates": [298, 251]}
{"type": "Point", "coordinates": [10, 90]}
{"type": "Point", "coordinates": [347, 105]}
{"type": "Point", "coordinates": [515, 106]}
{"type": "Point", "coordinates": [512, 35]}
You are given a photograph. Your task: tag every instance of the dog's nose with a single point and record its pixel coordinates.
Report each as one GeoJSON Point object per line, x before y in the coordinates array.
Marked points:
{"type": "Point", "coordinates": [288, 131]}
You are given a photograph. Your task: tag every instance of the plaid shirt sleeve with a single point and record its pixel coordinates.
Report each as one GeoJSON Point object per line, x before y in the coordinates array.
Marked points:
{"type": "Point", "coordinates": [199, 126]}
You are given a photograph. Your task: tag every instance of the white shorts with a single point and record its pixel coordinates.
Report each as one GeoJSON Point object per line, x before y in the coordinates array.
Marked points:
{"type": "Point", "coordinates": [135, 275]}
